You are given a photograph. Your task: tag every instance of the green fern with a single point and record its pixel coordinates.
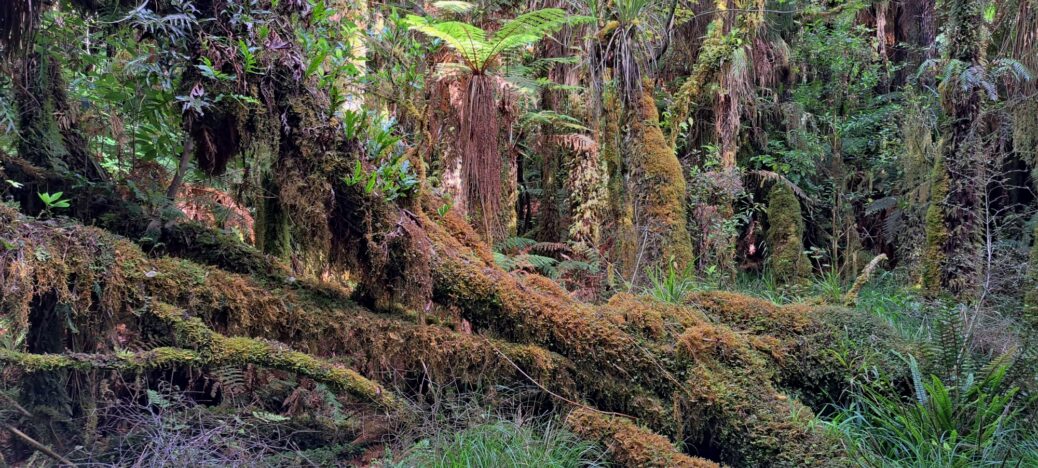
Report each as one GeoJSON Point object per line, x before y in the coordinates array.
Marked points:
{"type": "Point", "coordinates": [504, 261]}
{"type": "Point", "coordinates": [230, 381]}
{"type": "Point", "coordinates": [950, 342]}
{"type": "Point", "coordinates": [478, 49]}
{"type": "Point", "coordinates": [917, 381]}
{"type": "Point", "coordinates": [514, 244]}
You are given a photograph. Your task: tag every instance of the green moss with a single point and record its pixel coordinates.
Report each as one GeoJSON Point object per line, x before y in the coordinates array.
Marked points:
{"type": "Point", "coordinates": [936, 232]}
{"type": "Point", "coordinates": [785, 235]}
{"type": "Point", "coordinates": [38, 362]}
{"type": "Point", "coordinates": [751, 423]}
{"type": "Point", "coordinates": [657, 186]}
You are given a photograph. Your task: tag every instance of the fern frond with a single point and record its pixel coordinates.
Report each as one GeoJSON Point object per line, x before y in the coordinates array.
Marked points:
{"type": "Point", "coordinates": [556, 119]}
{"type": "Point", "coordinates": [504, 262]}
{"type": "Point", "coordinates": [514, 243]}
{"type": "Point", "coordinates": [545, 265]}
{"type": "Point", "coordinates": [550, 247]}
{"type": "Point", "coordinates": [528, 28]}
{"type": "Point", "coordinates": [577, 265]}
{"type": "Point", "coordinates": [883, 204]}
{"type": "Point", "coordinates": [950, 342]}
{"type": "Point", "coordinates": [468, 40]}
{"type": "Point", "coordinates": [917, 380]}
{"type": "Point", "coordinates": [539, 261]}
{"type": "Point", "coordinates": [230, 381]}
{"type": "Point", "coordinates": [1019, 70]}
{"type": "Point", "coordinates": [454, 6]}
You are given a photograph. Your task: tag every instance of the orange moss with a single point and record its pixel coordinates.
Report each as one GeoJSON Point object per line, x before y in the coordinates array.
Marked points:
{"type": "Point", "coordinates": [459, 229]}
{"type": "Point", "coordinates": [492, 299]}
{"type": "Point", "coordinates": [636, 316]}
{"type": "Point", "coordinates": [631, 445]}
{"type": "Point", "coordinates": [706, 340]}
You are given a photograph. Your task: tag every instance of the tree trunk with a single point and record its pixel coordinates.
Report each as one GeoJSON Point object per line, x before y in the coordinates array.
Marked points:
{"type": "Point", "coordinates": [962, 153]}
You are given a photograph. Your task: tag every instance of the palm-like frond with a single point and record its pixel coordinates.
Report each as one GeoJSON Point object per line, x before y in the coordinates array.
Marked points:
{"type": "Point", "coordinates": [525, 29]}
{"type": "Point", "coordinates": [558, 120]}
{"type": "Point", "coordinates": [468, 40]}
{"type": "Point", "coordinates": [479, 50]}
{"type": "Point", "coordinates": [454, 6]}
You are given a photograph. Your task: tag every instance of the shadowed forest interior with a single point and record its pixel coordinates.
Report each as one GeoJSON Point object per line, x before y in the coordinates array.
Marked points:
{"type": "Point", "coordinates": [492, 233]}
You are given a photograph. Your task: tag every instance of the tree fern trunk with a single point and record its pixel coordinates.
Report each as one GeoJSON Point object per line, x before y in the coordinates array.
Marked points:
{"type": "Point", "coordinates": [481, 157]}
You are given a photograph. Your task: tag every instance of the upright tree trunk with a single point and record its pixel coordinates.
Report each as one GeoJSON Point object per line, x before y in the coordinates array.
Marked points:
{"type": "Point", "coordinates": [656, 185]}
{"type": "Point", "coordinates": [481, 157]}
{"type": "Point", "coordinates": [46, 140]}
{"type": "Point", "coordinates": [962, 152]}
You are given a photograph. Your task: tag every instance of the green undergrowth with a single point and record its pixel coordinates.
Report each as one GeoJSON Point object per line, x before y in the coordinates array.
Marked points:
{"type": "Point", "coordinates": [503, 442]}
{"type": "Point", "coordinates": [492, 427]}
{"type": "Point", "coordinates": [979, 421]}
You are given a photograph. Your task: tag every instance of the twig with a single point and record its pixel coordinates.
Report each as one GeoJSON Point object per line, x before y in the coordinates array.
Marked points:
{"type": "Point", "coordinates": [545, 389]}
{"type": "Point", "coordinates": [38, 446]}
{"type": "Point", "coordinates": [20, 408]}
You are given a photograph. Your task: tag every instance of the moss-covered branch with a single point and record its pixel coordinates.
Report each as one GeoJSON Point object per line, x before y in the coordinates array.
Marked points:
{"type": "Point", "coordinates": [221, 351]}
{"type": "Point", "coordinates": [629, 444]}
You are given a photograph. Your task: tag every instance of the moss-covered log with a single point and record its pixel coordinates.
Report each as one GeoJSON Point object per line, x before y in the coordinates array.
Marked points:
{"type": "Point", "coordinates": [629, 444]}
{"type": "Point", "coordinates": [632, 355]}
{"type": "Point", "coordinates": [621, 357]}
{"type": "Point", "coordinates": [223, 351]}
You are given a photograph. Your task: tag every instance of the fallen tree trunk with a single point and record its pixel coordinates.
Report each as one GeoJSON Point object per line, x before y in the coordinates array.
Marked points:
{"type": "Point", "coordinates": [685, 371]}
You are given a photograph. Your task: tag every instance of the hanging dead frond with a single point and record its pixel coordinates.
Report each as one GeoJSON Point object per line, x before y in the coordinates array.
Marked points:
{"type": "Point", "coordinates": [576, 142]}
{"type": "Point", "coordinates": [18, 20]}
{"type": "Point", "coordinates": [480, 155]}
{"type": "Point", "coordinates": [770, 176]}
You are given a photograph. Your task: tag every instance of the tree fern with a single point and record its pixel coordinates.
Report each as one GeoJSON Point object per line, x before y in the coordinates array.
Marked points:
{"type": "Point", "coordinates": [479, 49]}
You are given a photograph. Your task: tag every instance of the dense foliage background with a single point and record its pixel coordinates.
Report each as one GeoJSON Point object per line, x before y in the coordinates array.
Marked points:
{"type": "Point", "coordinates": [523, 192]}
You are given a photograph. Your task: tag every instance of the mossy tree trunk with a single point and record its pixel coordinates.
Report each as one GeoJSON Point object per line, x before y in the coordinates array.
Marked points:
{"type": "Point", "coordinates": [44, 394]}
{"type": "Point", "coordinates": [656, 184]}
{"type": "Point", "coordinates": [40, 97]}
{"type": "Point", "coordinates": [936, 232]}
{"type": "Point", "coordinates": [785, 235]}
{"type": "Point", "coordinates": [962, 152]}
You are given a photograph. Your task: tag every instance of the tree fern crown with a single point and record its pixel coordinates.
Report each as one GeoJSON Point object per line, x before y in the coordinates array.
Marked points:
{"type": "Point", "coordinates": [478, 49]}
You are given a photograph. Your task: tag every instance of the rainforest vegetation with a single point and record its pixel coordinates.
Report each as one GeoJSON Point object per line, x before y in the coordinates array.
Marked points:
{"type": "Point", "coordinates": [494, 233]}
